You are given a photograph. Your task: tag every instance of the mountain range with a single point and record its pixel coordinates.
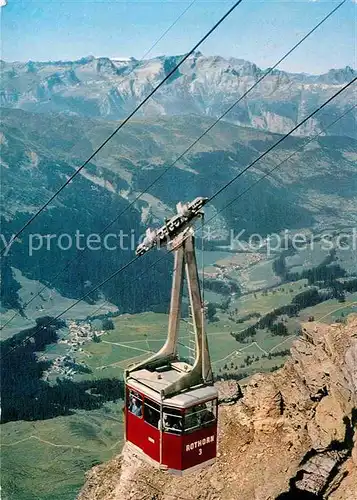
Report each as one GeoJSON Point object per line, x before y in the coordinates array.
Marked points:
{"type": "Point", "coordinates": [203, 85]}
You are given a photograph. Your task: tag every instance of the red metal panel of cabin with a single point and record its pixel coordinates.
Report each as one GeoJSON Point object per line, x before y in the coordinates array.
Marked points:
{"type": "Point", "coordinates": [199, 446]}
{"type": "Point", "coordinates": [172, 450]}
{"type": "Point", "coordinates": [143, 435]}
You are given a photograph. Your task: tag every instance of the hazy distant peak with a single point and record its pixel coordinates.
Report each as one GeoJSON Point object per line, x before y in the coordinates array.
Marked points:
{"type": "Point", "coordinates": [205, 85]}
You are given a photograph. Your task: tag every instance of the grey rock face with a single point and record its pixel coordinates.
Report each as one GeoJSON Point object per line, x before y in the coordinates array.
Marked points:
{"type": "Point", "coordinates": [101, 87]}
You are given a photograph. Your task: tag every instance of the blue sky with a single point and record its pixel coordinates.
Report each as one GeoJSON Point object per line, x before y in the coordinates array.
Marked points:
{"type": "Point", "coordinates": [260, 31]}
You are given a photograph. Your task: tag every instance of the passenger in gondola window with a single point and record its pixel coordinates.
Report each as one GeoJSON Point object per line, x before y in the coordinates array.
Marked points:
{"type": "Point", "coordinates": [135, 403]}
{"type": "Point", "coordinates": [171, 423]}
{"type": "Point", "coordinates": [207, 415]}
{"type": "Point", "coordinates": [151, 413]}
{"type": "Point", "coordinates": [191, 419]}
{"type": "Point", "coordinates": [176, 425]}
{"type": "Point", "coordinates": [136, 407]}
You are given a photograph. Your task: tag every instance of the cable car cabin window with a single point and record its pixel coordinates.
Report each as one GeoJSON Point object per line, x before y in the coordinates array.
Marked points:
{"type": "Point", "coordinates": [202, 415]}
{"type": "Point", "coordinates": [151, 413]}
{"type": "Point", "coordinates": [135, 403]}
{"type": "Point", "coordinates": [172, 421]}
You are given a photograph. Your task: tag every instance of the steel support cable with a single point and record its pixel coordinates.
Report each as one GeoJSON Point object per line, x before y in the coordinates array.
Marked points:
{"type": "Point", "coordinates": [252, 87]}
{"type": "Point", "coordinates": [267, 151]}
{"type": "Point", "coordinates": [219, 191]}
{"type": "Point", "coordinates": [121, 81]}
{"type": "Point", "coordinates": [255, 183]}
{"type": "Point", "coordinates": [167, 30]}
{"type": "Point", "coordinates": [124, 122]}
{"type": "Point", "coordinates": [150, 49]}
{"type": "Point", "coordinates": [42, 327]}
{"type": "Point", "coordinates": [301, 148]}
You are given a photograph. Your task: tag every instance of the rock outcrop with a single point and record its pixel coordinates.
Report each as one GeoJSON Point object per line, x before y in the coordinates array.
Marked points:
{"type": "Point", "coordinates": [291, 435]}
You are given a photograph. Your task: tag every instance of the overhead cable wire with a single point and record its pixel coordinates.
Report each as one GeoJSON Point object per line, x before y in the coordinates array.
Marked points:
{"type": "Point", "coordinates": [43, 327]}
{"type": "Point", "coordinates": [168, 29]}
{"type": "Point", "coordinates": [267, 174]}
{"type": "Point", "coordinates": [251, 187]}
{"type": "Point", "coordinates": [267, 151]}
{"type": "Point", "coordinates": [157, 261]}
{"type": "Point", "coordinates": [256, 182]}
{"type": "Point", "coordinates": [252, 87]}
{"type": "Point", "coordinates": [109, 225]}
{"type": "Point", "coordinates": [126, 77]}
{"type": "Point", "coordinates": [124, 122]}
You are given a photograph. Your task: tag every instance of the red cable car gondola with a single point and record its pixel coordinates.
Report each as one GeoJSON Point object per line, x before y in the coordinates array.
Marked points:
{"type": "Point", "coordinates": [171, 406]}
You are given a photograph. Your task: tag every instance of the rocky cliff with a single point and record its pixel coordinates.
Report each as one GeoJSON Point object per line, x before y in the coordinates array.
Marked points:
{"type": "Point", "coordinates": [289, 434]}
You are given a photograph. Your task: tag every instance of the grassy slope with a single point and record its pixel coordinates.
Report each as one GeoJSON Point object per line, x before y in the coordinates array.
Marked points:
{"type": "Point", "coordinates": [46, 460]}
